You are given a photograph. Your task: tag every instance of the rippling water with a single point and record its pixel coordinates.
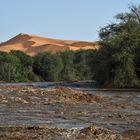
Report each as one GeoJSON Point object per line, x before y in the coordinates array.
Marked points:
{"type": "Point", "coordinates": [119, 111]}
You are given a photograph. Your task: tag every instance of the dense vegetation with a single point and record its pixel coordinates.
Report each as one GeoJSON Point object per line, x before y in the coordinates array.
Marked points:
{"type": "Point", "coordinates": [119, 58]}
{"type": "Point", "coordinates": [115, 64]}
{"type": "Point", "coordinates": [17, 66]}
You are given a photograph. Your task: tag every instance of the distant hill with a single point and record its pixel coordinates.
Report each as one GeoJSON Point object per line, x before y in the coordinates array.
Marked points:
{"type": "Point", "coordinates": [32, 44]}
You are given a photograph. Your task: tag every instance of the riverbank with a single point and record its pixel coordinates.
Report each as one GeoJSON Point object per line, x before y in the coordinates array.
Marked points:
{"type": "Point", "coordinates": [80, 85]}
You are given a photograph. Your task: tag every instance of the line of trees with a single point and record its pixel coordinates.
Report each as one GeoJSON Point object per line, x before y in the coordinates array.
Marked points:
{"type": "Point", "coordinates": [115, 64]}
{"type": "Point", "coordinates": [17, 66]}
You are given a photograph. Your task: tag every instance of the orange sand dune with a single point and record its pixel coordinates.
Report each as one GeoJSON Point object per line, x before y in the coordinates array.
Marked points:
{"type": "Point", "coordinates": [32, 44]}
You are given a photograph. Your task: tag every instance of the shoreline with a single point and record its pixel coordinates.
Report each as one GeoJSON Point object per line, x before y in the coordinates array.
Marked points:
{"type": "Point", "coordinates": [76, 85]}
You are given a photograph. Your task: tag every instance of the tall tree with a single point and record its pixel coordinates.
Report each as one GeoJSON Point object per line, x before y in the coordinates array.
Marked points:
{"type": "Point", "coordinates": [120, 43]}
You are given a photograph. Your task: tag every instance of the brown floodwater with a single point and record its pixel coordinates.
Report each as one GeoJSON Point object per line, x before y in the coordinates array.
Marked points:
{"type": "Point", "coordinates": [68, 110]}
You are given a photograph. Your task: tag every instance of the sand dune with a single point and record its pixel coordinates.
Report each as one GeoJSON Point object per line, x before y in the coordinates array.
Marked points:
{"type": "Point", "coordinates": [32, 44]}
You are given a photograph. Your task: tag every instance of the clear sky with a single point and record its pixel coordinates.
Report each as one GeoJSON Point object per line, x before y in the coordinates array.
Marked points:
{"type": "Point", "coordinates": [63, 19]}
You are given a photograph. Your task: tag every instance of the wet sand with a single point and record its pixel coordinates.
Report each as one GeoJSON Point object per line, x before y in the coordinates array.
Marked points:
{"type": "Point", "coordinates": [60, 113]}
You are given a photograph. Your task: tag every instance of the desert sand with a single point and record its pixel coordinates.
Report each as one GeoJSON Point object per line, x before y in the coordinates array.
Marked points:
{"type": "Point", "coordinates": [33, 44]}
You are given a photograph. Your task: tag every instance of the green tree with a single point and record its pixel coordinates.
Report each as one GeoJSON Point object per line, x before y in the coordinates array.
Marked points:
{"type": "Point", "coordinates": [82, 67]}
{"type": "Point", "coordinates": [48, 66]}
{"type": "Point", "coordinates": [68, 72]}
{"type": "Point", "coordinates": [26, 66]}
{"type": "Point", "coordinates": [119, 61]}
{"type": "Point", "coordinates": [9, 67]}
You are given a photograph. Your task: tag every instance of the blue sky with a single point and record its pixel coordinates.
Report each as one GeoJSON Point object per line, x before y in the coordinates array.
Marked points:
{"type": "Point", "coordinates": [63, 19]}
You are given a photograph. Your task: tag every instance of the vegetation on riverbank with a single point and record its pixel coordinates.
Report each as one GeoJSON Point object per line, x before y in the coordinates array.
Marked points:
{"type": "Point", "coordinates": [17, 66]}
{"type": "Point", "coordinates": [119, 58]}
{"type": "Point", "coordinates": [115, 64]}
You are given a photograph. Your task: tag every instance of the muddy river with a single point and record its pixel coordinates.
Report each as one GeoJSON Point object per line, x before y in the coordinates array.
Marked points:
{"type": "Point", "coordinates": [52, 112]}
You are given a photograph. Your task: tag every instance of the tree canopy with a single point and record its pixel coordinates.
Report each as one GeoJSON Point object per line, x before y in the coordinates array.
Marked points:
{"type": "Point", "coordinates": [120, 50]}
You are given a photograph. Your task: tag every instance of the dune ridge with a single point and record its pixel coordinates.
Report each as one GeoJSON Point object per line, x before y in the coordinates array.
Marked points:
{"type": "Point", "coordinates": [33, 44]}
